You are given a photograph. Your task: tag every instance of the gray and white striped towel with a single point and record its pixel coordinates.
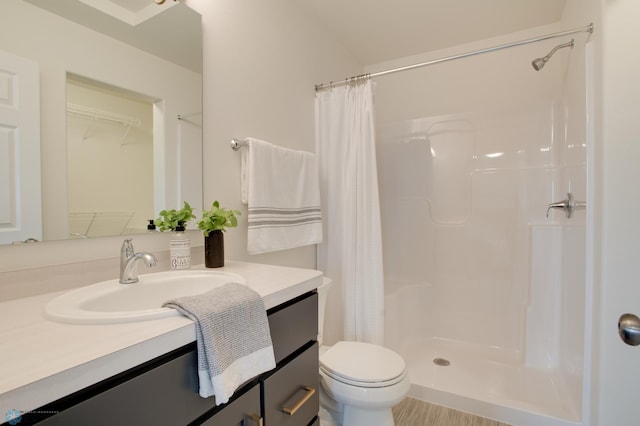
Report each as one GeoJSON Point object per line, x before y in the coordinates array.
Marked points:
{"type": "Point", "coordinates": [282, 190]}
{"type": "Point", "coordinates": [232, 336]}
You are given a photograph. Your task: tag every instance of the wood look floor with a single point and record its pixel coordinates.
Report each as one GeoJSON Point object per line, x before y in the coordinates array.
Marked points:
{"type": "Point", "coordinates": [412, 412]}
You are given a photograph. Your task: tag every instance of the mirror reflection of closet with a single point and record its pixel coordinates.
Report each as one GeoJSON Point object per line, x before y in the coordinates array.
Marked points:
{"type": "Point", "coordinates": [109, 159]}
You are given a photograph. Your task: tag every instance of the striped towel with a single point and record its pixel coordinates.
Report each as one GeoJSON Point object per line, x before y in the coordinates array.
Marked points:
{"type": "Point", "coordinates": [281, 188]}
{"type": "Point", "coordinates": [232, 336]}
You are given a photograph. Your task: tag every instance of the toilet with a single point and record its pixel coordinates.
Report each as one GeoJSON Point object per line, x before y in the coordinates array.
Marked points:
{"type": "Point", "coordinates": [359, 382]}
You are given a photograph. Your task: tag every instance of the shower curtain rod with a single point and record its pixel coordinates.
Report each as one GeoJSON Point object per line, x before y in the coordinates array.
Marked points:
{"type": "Point", "coordinates": [330, 85]}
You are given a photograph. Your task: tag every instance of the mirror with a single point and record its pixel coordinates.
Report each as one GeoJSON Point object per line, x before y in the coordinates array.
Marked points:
{"type": "Point", "coordinates": [94, 162]}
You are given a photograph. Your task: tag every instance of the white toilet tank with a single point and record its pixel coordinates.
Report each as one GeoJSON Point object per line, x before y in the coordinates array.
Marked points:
{"type": "Point", "coordinates": [323, 291]}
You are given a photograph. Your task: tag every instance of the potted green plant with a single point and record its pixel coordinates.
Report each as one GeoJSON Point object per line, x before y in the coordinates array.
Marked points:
{"type": "Point", "coordinates": [214, 222]}
{"type": "Point", "coordinates": [171, 220]}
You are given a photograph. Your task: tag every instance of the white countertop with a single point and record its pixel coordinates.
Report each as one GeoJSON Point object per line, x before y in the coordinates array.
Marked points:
{"type": "Point", "coordinates": [42, 360]}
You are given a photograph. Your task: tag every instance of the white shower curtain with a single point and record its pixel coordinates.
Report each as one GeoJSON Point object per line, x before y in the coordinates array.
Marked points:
{"type": "Point", "coordinates": [351, 254]}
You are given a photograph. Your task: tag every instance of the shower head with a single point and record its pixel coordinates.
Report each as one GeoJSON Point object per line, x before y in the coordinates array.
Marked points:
{"type": "Point", "coordinates": [540, 62]}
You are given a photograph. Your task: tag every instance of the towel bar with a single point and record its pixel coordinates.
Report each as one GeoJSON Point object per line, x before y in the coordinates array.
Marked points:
{"type": "Point", "coordinates": [236, 144]}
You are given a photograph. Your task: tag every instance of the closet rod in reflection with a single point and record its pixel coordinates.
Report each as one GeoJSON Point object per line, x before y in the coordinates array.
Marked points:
{"type": "Point", "coordinates": [355, 79]}
{"type": "Point", "coordinates": [100, 114]}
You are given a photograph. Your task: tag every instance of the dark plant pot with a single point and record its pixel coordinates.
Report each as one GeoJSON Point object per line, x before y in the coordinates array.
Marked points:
{"type": "Point", "coordinates": [214, 249]}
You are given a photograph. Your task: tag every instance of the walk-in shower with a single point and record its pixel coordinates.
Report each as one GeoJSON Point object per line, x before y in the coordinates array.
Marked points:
{"type": "Point", "coordinates": [484, 295]}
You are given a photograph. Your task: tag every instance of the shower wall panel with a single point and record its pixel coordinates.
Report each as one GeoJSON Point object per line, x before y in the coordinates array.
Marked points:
{"type": "Point", "coordinates": [459, 194]}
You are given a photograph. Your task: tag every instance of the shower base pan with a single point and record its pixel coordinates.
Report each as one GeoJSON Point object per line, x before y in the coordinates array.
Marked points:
{"type": "Point", "coordinates": [447, 374]}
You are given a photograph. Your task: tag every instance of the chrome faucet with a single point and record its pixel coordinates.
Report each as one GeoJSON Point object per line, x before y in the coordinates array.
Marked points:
{"type": "Point", "coordinates": [129, 261]}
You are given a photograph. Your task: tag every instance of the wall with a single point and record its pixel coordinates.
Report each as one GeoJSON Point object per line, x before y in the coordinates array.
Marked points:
{"type": "Point", "coordinates": [470, 84]}
{"type": "Point", "coordinates": [261, 61]}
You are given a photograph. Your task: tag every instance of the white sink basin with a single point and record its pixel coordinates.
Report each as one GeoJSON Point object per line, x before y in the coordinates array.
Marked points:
{"type": "Point", "coordinates": [110, 302]}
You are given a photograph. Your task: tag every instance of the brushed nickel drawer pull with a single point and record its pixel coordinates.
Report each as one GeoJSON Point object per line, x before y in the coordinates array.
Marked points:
{"type": "Point", "coordinates": [308, 394]}
{"type": "Point", "coordinates": [256, 418]}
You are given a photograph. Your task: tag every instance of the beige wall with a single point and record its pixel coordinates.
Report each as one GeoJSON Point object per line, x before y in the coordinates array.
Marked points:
{"type": "Point", "coordinates": [261, 62]}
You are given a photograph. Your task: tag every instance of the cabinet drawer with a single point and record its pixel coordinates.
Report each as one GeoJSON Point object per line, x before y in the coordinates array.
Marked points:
{"type": "Point", "coordinates": [293, 325]}
{"type": "Point", "coordinates": [243, 411]}
{"type": "Point", "coordinates": [293, 387]}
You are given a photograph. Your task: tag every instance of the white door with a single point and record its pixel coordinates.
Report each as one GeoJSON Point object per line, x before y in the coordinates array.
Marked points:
{"type": "Point", "coordinates": [20, 199]}
{"type": "Point", "coordinates": [618, 381]}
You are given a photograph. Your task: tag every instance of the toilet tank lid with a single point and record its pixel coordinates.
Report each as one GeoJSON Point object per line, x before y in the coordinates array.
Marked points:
{"type": "Point", "coordinates": [363, 362]}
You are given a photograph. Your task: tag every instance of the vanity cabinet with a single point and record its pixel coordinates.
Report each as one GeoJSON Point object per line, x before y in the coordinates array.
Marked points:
{"type": "Point", "coordinates": [164, 391]}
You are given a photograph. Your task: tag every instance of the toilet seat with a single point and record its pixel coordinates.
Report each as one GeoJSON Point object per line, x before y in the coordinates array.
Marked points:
{"type": "Point", "coordinates": [363, 365]}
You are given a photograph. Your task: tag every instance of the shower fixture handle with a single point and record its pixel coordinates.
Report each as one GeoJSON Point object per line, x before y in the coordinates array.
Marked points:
{"type": "Point", "coordinates": [568, 205]}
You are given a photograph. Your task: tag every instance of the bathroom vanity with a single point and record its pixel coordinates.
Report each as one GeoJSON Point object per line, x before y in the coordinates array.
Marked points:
{"type": "Point", "coordinates": [163, 389]}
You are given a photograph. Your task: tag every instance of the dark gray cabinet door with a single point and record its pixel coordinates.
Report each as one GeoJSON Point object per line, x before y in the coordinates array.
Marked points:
{"type": "Point", "coordinates": [166, 395]}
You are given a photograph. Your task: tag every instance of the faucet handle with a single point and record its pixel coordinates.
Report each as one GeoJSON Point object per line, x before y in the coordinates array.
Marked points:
{"type": "Point", "coordinates": [568, 205]}
{"type": "Point", "coordinates": [127, 248]}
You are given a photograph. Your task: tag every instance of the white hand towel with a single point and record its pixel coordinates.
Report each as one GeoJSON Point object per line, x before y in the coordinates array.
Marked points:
{"type": "Point", "coordinates": [232, 336]}
{"type": "Point", "coordinates": [282, 190]}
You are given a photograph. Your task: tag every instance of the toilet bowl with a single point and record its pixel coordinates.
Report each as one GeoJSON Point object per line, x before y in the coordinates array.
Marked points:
{"type": "Point", "coordinates": [359, 382]}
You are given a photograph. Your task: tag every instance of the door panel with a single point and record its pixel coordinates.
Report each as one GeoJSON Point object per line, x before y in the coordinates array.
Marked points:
{"type": "Point", "coordinates": [618, 364]}
{"type": "Point", "coordinates": [20, 198]}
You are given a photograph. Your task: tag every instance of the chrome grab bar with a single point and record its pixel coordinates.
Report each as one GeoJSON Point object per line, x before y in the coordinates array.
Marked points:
{"type": "Point", "coordinates": [569, 205]}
